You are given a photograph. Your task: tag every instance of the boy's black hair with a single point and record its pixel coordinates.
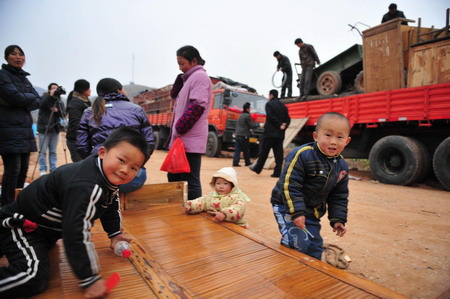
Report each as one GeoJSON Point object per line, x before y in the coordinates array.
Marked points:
{"type": "Point", "coordinates": [298, 41]}
{"type": "Point", "coordinates": [276, 53]}
{"type": "Point", "coordinates": [246, 107]}
{"type": "Point", "coordinates": [50, 86]}
{"type": "Point", "coordinates": [332, 114]}
{"type": "Point", "coordinates": [130, 135]}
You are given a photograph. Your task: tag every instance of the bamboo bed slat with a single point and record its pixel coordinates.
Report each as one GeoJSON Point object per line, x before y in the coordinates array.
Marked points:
{"type": "Point", "coordinates": [175, 255]}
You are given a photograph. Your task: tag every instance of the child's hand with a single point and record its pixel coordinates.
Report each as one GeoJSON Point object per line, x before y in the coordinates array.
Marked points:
{"type": "Point", "coordinates": [220, 217]}
{"type": "Point", "coordinates": [300, 222]}
{"type": "Point", "coordinates": [339, 229]}
{"type": "Point", "coordinates": [187, 207]}
{"type": "Point", "coordinates": [118, 238]}
{"type": "Point", "coordinates": [96, 290]}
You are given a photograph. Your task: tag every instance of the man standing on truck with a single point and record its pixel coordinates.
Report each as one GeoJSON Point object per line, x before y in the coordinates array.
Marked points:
{"type": "Point", "coordinates": [277, 121]}
{"type": "Point", "coordinates": [393, 13]}
{"type": "Point", "coordinates": [284, 65]}
{"type": "Point", "coordinates": [308, 59]}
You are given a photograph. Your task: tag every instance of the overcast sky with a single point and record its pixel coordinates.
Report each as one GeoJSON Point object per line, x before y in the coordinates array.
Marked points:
{"type": "Point", "coordinates": [66, 40]}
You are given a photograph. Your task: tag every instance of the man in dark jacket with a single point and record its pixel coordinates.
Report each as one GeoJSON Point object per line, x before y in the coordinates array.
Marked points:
{"type": "Point", "coordinates": [284, 65]}
{"type": "Point", "coordinates": [393, 13]}
{"type": "Point", "coordinates": [50, 112]}
{"type": "Point", "coordinates": [277, 121]}
{"type": "Point", "coordinates": [243, 129]}
{"type": "Point", "coordinates": [77, 101]}
{"type": "Point", "coordinates": [308, 59]}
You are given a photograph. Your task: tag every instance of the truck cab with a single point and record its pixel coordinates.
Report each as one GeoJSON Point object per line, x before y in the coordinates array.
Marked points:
{"type": "Point", "coordinates": [226, 106]}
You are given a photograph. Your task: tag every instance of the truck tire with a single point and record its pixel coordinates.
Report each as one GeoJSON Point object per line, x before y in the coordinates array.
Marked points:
{"type": "Point", "coordinates": [396, 160]}
{"type": "Point", "coordinates": [158, 140]}
{"type": "Point", "coordinates": [213, 145]}
{"type": "Point", "coordinates": [359, 82]}
{"type": "Point", "coordinates": [441, 163]}
{"type": "Point", "coordinates": [427, 162]}
{"type": "Point", "coordinates": [329, 83]}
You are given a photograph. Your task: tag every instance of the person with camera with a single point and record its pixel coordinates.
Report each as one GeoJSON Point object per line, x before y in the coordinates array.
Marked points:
{"type": "Point", "coordinates": [50, 112]}
{"type": "Point", "coordinates": [17, 141]}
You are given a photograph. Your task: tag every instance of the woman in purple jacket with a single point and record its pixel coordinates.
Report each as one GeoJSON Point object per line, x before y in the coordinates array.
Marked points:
{"type": "Point", "coordinates": [190, 120]}
{"type": "Point", "coordinates": [111, 110]}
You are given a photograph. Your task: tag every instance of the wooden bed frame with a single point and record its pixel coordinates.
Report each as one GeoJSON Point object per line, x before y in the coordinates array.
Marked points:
{"type": "Point", "coordinates": [175, 255]}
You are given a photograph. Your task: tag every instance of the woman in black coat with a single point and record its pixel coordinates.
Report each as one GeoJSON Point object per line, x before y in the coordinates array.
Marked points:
{"type": "Point", "coordinates": [17, 141]}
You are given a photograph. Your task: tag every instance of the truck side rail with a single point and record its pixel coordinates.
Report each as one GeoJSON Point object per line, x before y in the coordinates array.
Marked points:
{"type": "Point", "coordinates": [424, 103]}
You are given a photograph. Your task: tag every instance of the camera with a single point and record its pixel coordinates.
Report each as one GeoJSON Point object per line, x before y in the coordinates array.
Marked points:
{"type": "Point", "coordinates": [59, 91]}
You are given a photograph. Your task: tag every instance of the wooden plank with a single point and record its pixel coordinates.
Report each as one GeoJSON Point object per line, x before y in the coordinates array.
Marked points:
{"type": "Point", "coordinates": [154, 194]}
{"type": "Point", "coordinates": [429, 64]}
{"type": "Point", "coordinates": [295, 126]}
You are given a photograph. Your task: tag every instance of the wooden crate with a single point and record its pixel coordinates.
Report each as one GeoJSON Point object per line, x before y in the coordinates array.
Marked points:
{"type": "Point", "coordinates": [429, 63]}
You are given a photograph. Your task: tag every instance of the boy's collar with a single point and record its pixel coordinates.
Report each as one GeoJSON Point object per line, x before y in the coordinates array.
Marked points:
{"type": "Point", "coordinates": [329, 157]}
{"type": "Point", "coordinates": [99, 163]}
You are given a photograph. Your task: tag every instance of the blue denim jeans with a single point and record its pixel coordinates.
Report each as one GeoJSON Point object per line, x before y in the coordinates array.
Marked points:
{"type": "Point", "coordinates": [241, 145]}
{"type": "Point", "coordinates": [48, 142]}
{"type": "Point", "coordinates": [294, 237]}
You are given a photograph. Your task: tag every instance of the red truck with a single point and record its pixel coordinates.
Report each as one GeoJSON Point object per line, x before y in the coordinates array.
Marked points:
{"type": "Point", "coordinates": [226, 106]}
{"type": "Point", "coordinates": [403, 132]}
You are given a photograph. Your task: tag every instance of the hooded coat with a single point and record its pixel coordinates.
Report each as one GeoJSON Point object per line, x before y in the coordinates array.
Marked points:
{"type": "Point", "coordinates": [232, 205]}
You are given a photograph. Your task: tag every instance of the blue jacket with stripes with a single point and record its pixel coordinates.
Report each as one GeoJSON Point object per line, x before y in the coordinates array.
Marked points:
{"type": "Point", "coordinates": [311, 182]}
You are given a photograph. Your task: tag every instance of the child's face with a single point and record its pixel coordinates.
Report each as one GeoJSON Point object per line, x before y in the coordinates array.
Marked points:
{"type": "Point", "coordinates": [222, 186]}
{"type": "Point", "coordinates": [332, 136]}
{"type": "Point", "coordinates": [121, 162]}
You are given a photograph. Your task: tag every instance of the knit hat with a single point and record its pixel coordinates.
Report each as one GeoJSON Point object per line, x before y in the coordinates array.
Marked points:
{"type": "Point", "coordinates": [81, 86]}
{"type": "Point", "coordinates": [227, 173]}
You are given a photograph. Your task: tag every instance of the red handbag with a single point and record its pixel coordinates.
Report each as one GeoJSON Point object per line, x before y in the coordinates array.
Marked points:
{"type": "Point", "coordinates": [176, 160]}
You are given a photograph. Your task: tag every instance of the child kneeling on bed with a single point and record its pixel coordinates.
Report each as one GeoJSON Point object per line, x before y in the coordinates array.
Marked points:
{"type": "Point", "coordinates": [64, 204]}
{"type": "Point", "coordinates": [226, 201]}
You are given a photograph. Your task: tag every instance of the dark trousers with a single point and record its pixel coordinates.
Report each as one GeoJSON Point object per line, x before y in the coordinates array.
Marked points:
{"type": "Point", "coordinates": [241, 145]}
{"type": "Point", "coordinates": [14, 175]}
{"type": "Point", "coordinates": [287, 85]}
{"type": "Point", "coordinates": [193, 177]}
{"type": "Point", "coordinates": [305, 80]}
{"type": "Point", "coordinates": [28, 272]}
{"type": "Point", "coordinates": [271, 143]}
{"type": "Point", "coordinates": [72, 145]}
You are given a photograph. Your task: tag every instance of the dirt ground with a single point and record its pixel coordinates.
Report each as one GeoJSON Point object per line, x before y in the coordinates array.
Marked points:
{"type": "Point", "coordinates": [398, 237]}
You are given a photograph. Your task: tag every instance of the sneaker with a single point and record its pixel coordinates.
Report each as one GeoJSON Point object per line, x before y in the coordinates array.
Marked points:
{"type": "Point", "coordinates": [274, 176]}
{"type": "Point", "coordinates": [43, 172]}
{"type": "Point", "coordinates": [237, 165]}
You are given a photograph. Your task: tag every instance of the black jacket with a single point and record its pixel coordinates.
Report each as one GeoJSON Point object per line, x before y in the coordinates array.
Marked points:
{"type": "Point", "coordinates": [75, 110]}
{"type": "Point", "coordinates": [65, 204]}
{"type": "Point", "coordinates": [17, 99]}
{"type": "Point", "coordinates": [48, 121]}
{"type": "Point", "coordinates": [276, 114]}
{"type": "Point", "coordinates": [285, 65]}
{"type": "Point", "coordinates": [399, 14]}
{"type": "Point", "coordinates": [312, 183]}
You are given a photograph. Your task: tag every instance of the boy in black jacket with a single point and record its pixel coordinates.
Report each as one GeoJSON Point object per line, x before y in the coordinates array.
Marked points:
{"type": "Point", "coordinates": [64, 204]}
{"type": "Point", "coordinates": [315, 177]}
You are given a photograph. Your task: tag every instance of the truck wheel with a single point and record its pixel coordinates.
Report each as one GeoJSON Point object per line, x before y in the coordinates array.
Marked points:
{"type": "Point", "coordinates": [359, 82]}
{"type": "Point", "coordinates": [214, 145]}
{"type": "Point", "coordinates": [158, 141]}
{"type": "Point", "coordinates": [396, 160]}
{"type": "Point", "coordinates": [427, 163]}
{"type": "Point", "coordinates": [329, 83]}
{"type": "Point", "coordinates": [441, 163]}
